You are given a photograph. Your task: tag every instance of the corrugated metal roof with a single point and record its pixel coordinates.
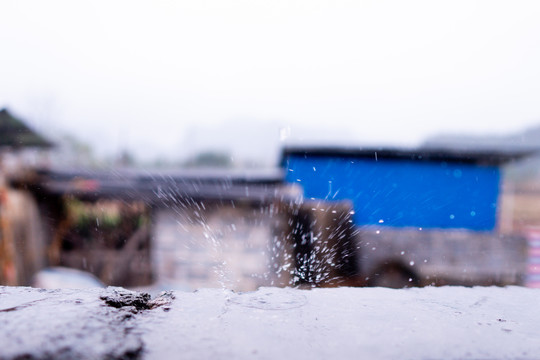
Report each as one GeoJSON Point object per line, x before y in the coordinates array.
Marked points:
{"type": "Point", "coordinates": [484, 156]}
{"type": "Point", "coordinates": [161, 187]}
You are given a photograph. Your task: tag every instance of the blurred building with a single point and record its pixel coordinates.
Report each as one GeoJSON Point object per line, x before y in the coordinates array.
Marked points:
{"type": "Point", "coordinates": [22, 233]}
{"type": "Point", "coordinates": [422, 216]}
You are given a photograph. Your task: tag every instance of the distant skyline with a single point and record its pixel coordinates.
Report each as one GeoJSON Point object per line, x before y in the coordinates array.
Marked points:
{"type": "Point", "coordinates": [172, 78]}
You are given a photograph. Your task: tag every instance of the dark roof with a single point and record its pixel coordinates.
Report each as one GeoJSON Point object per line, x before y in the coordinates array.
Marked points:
{"type": "Point", "coordinates": [158, 188]}
{"type": "Point", "coordinates": [15, 133]}
{"type": "Point", "coordinates": [481, 157]}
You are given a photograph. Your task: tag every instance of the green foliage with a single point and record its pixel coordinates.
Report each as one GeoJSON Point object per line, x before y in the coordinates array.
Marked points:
{"type": "Point", "coordinates": [210, 159]}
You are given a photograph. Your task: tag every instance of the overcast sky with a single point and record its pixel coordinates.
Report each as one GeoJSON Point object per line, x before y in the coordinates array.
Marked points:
{"type": "Point", "coordinates": [171, 78]}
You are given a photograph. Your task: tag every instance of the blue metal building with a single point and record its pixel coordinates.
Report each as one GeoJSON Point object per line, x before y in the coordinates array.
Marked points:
{"type": "Point", "coordinates": [424, 188]}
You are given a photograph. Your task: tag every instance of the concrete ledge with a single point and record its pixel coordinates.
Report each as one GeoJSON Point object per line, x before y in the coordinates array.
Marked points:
{"type": "Point", "coordinates": [271, 323]}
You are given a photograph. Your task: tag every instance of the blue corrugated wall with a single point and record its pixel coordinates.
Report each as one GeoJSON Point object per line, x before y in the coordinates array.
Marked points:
{"type": "Point", "coordinates": [403, 193]}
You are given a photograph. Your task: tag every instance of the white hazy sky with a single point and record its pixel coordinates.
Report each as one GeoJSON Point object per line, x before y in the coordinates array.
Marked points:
{"type": "Point", "coordinates": [173, 77]}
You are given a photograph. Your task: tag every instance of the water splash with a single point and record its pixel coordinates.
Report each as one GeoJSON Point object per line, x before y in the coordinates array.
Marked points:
{"type": "Point", "coordinates": [297, 243]}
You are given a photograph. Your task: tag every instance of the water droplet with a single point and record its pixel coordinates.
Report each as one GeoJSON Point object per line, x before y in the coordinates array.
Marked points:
{"type": "Point", "coordinates": [284, 133]}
